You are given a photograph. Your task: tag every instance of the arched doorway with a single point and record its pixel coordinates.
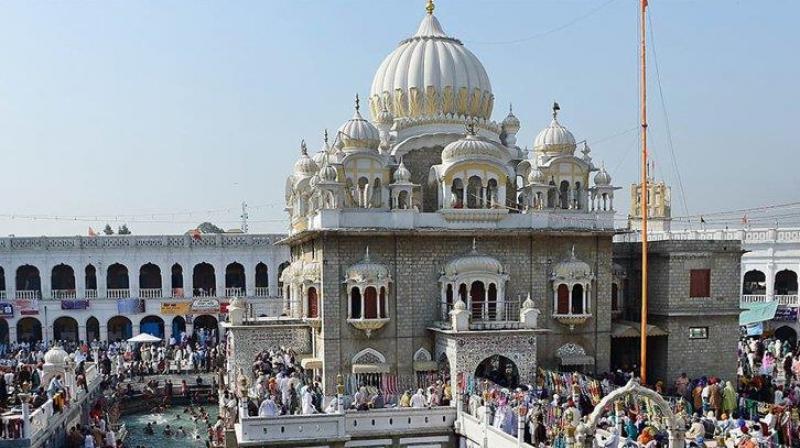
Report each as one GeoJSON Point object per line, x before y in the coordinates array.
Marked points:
{"type": "Point", "coordinates": [203, 280]}
{"type": "Point", "coordinates": [62, 281]}
{"type": "Point", "coordinates": [178, 327]}
{"type": "Point", "coordinates": [119, 327]}
{"type": "Point", "coordinates": [785, 283]}
{"type": "Point", "coordinates": [754, 283]}
{"type": "Point", "coordinates": [65, 329]}
{"type": "Point", "coordinates": [786, 333]}
{"type": "Point", "coordinates": [177, 280]}
{"type": "Point", "coordinates": [29, 329]}
{"type": "Point", "coordinates": [499, 370]}
{"type": "Point", "coordinates": [152, 325]}
{"type": "Point", "coordinates": [262, 280]}
{"type": "Point", "coordinates": [117, 277]}
{"type": "Point", "coordinates": [234, 279]}
{"type": "Point", "coordinates": [92, 329]}
{"type": "Point", "coordinates": [28, 280]}
{"type": "Point", "coordinates": [150, 281]}
{"type": "Point", "coordinates": [4, 332]}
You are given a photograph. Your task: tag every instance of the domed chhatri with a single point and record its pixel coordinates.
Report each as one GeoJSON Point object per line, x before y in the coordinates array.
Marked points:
{"type": "Point", "coordinates": [473, 262]}
{"type": "Point", "coordinates": [367, 271]}
{"type": "Point", "coordinates": [555, 139]}
{"type": "Point", "coordinates": [537, 177]}
{"type": "Point", "coordinates": [358, 133]}
{"type": "Point", "coordinates": [402, 175]}
{"type": "Point", "coordinates": [472, 147]}
{"type": "Point", "coordinates": [56, 356]}
{"type": "Point", "coordinates": [602, 178]}
{"type": "Point", "coordinates": [431, 73]}
{"type": "Point", "coordinates": [305, 165]}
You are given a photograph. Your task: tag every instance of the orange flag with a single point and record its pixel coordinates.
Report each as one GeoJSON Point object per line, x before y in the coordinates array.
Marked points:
{"type": "Point", "coordinates": [92, 232]}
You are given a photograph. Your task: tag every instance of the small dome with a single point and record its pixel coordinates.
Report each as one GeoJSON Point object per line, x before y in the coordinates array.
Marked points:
{"type": "Point", "coordinates": [511, 122]}
{"type": "Point", "coordinates": [536, 176]}
{"type": "Point", "coordinates": [470, 147]}
{"type": "Point", "coordinates": [572, 269]}
{"type": "Point", "coordinates": [327, 173]}
{"type": "Point", "coordinates": [402, 175]}
{"type": "Point", "coordinates": [358, 133]}
{"type": "Point", "coordinates": [305, 165]}
{"type": "Point", "coordinates": [368, 272]}
{"type": "Point", "coordinates": [55, 356]}
{"type": "Point", "coordinates": [473, 263]}
{"type": "Point", "coordinates": [602, 178]}
{"type": "Point", "coordinates": [555, 139]}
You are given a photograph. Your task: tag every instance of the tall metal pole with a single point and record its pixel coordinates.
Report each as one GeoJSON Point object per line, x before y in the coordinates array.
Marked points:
{"type": "Point", "coordinates": [644, 194]}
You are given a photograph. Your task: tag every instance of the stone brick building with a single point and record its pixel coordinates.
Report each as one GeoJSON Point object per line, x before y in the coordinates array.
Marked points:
{"type": "Point", "coordinates": [693, 296]}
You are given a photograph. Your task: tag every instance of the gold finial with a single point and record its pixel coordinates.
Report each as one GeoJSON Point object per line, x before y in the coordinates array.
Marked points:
{"type": "Point", "coordinates": [430, 7]}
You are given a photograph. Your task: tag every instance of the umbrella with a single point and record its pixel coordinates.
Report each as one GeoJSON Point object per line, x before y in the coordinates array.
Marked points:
{"type": "Point", "coordinates": [144, 337]}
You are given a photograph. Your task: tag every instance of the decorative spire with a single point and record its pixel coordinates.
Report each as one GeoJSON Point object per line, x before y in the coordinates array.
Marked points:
{"type": "Point", "coordinates": [325, 138]}
{"type": "Point", "coordinates": [430, 7]}
{"type": "Point", "coordinates": [303, 148]}
{"type": "Point", "coordinates": [511, 108]}
{"type": "Point", "coordinates": [358, 103]}
{"type": "Point", "coordinates": [556, 108]}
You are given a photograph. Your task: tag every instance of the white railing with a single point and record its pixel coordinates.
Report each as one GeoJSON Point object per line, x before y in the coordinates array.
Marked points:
{"type": "Point", "coordinates": [90, 293]}
{"type": "Point", "coordinates": [60, 294]}
{"type": "Point", "coordinates": [200, 292]}
{"type": "Point", "coordinates": [150, 293]}
{"type": "Point", "coordinates": [118, 293]}
{"type": "Point", "coordinates": [290, 428]}
{"type": "Point", "coordinates": [753, 298]}
{"type": "Point", "coordinates": [478, 432]}
{"type": "Point", "coordinates": [32, 295]}
{"type": "Point", "coordinates": [330, 427]}
{"type": "Point", "coordinates": [145, 241]}
{"type": "Point", "coordinates": [234, 292]}
{"type": "Point", "coordinates": [787, 300]}
{"type": "Point", "coordinates": [486, 311]}
{"type": "Point", "coordinates": [40, 417]}
{"type": "Point", "coordinates": [391, 420]}
{"type": "Point", "coordinates": [262, 291]}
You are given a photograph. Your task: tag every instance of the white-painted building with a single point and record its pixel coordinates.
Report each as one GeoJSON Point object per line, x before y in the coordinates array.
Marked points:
{"type": "Point", "coordinates": [111, 287]}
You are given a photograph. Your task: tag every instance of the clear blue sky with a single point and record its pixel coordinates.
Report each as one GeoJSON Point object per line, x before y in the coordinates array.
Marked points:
{"type": "Point", "coordinates": [133, 107]}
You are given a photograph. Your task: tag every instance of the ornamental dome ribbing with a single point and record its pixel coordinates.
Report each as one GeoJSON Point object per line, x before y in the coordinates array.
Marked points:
{"type": "Point", "coordinates": [367, 271]}
{"type": "Point", "coordinates": [327, 173]}
{"type": "Point", "coordinates": [572, 270]}
{"type": "Point", "coordinates": [511, 122]}
{"type": "Point", "coordinates": [429, 74]}
{"type": "Point", "coordinates": [55, 356]}
{"type": "Point", "coordinates": [472, 147]}
{"type": "Point", "coordinates": [602, 178]}
{"type": "Point", "coordinates": [358, 133]}
{"type": "Point", "coordinates": [402, 175]}
{"type": "Point", "coordinates": [555, 139]}
{"type": "Point", "coordinates": [305, 165]}
{"type": "Point", "coordinates": [473, 263]}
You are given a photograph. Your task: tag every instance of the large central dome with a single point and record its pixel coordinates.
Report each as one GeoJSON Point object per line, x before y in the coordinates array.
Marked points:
{"type": "Point", "coordinates": [431, 74]}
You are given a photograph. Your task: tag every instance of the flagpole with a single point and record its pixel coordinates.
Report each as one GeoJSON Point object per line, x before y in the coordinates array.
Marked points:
{"type": "Point", "coordinates": [644, 194]}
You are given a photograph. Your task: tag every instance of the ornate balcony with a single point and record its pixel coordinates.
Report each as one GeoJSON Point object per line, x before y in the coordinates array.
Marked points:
{"type": "Point", "coordinates": [60, 294]}
{"type": "Point", "coordinates": [118, 293]}
{"type": "Point", "coordinates": [571, 320]}
{"type": "Point", "coordinates": [262, 291]}
{"type": "Point", "coordinates": [368, 325]}
{"type": "Point", "coordinates": [150, 293]}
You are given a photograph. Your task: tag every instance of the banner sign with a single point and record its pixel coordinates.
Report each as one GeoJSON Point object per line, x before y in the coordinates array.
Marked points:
{"type": "Point", "coordinates": [6, 309]}
{"type": "Point", "coordinates": [176, 308]}
{"type": "Point", "coordinates": [785, 313]}
{"type": "Point", "coordinates": [205, 306]}
{"type": "Point", "coordinates": [223, 308]}
{"type": "Point", "coordinates": [27, 307]}
{"type": "Point", "coordinates": [756, 329]}
{"type": "Point", "coordinates": [130, 306]}
{"type": "Point", "coordinates": [74, 304]}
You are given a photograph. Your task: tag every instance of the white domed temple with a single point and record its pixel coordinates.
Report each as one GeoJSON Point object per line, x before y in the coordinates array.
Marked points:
{"type": "Point", "coordinates": [420, 228]}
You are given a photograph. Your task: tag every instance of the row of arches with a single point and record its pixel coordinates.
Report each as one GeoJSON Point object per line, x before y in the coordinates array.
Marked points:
{"type": "Point", "coordinates": [475, 193]}
{"type": "Point", "coordinates": [63, 278]}
{"type": "Point", "coordinates": [66, 328]}
{"type": "Point", "coordinates": [480, 300]}
{"type": "Point", "coordinates": [755, 283]}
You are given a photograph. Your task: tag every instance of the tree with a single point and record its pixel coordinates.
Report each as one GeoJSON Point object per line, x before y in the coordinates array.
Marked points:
{"type": "Point", "coordinates": [123, 230]}
{"type": "Point", "coordinates": [108, 230]}
{"type": "Point", "coordinates": [207, 227]}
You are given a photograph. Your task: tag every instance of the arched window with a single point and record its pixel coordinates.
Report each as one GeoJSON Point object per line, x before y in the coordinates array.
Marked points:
{"type": "Point", "coordinates": [563, 299]}
{"type": "Point", "coordinates": [281, 268]}
{"type": "Point", "coordinates": [475, 192]}
{"type": "Point", "coordinates": [355, 303]}
{"type": "Point", "coordinates": [754, 283]}
{"type": "Point", "coordinates": [203, 280]}
{"type": "Point", "coordinates": [786, 283]}
{"type": "Point", "coordinates": [91, 281]}
{"type": "Point", "coordinates": [177, 280]}
{"type": "Point", "coordinates": [117, 277]}
{"type": "Point", "coordinates": [63, 282]}
{"type": "Point", "coordinates": [363, 191]}
{"type": "Point", "coordinates": [28, 279]}
{"type": "Point", "coordinates": [449, 295]}
{"type": "Point", "coordinates": [462, 293]}
{"type": "Point", "coordinates": [262, 278]}
{"type": "Point", "coordinates": [493, 198]}
{"type": "Point", "coordinates": [457, 194]}
{"type": "Point", "coordinates": [312, 307]}
{"type": "Point", "coordinates": [492, 302]}
{"type": "Point", "coordinates": [563, 194]}
{"type": "Point", "coordinates": [577, 299]}
{"type": "Point", "coordinates": [578, 196]}
{"type": "Point", "coordinates": [377, 194]}
{"type": "Point", "coordinates": [477, 295]}
{"type": "Point", "coordinates": [552, 195]}
{"type": "Point", "coordinates": [402, 200]}
{"type": "Point", "coordinates": [234, 279]}
{"type": "Point", "coordinates": [370, 303]}
{"type": "Point", "coordinates": [150, 281]}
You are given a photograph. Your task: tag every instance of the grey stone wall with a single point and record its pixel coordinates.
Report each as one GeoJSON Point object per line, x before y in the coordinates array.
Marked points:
{"type": "Point", "coordinates": [415, 262]}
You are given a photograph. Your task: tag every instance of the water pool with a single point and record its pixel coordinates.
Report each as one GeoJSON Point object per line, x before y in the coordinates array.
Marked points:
{"type": "Point", "coordinates": [196, 431]}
